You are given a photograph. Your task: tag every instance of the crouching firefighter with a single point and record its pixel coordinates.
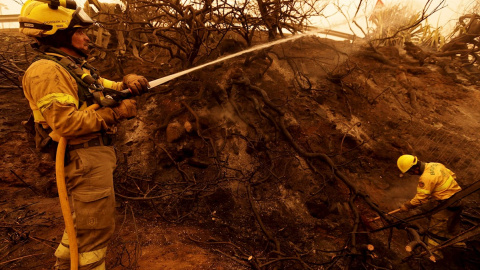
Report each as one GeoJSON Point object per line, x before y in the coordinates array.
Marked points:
{"type": "Point", "coordinates": [437, 183]}
{"type": "Point", "coordinates": [59, 85]}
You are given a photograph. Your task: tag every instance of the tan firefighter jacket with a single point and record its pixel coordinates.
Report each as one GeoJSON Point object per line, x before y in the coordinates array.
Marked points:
{"type": "Point", "coordinates": [436, 182]}
{"type": "Point", "coordinates": [53, 96]}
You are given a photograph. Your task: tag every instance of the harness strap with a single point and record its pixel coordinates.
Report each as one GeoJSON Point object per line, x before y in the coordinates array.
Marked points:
{"type": "Point", "coordinates": [86, 83]}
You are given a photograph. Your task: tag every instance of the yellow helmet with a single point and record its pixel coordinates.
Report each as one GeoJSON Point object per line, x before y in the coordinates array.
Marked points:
{"type": "Point", "coordinates": [39, 18]}
{"type": "Point", "coordinates": [405, 162]}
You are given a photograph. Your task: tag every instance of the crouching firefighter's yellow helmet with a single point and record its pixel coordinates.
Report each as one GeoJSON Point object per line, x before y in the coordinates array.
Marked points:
{"type": "Point", "coordinates": [40, 18]}
{"type": "Point", "coordinates": [406, 162]}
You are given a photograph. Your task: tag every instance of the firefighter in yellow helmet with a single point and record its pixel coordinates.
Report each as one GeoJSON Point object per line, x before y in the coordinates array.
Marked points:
{"type": "Point", "coordinates": [437, 183]}
{"type": "Point", "coordinates": [59, 85]}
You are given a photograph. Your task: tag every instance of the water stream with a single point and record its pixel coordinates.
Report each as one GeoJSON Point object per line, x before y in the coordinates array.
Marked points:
{"type": "Point", "coordinates": [221, 59]}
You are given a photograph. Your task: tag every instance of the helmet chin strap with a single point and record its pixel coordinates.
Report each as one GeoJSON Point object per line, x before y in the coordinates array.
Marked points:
{"type": "Point", "coordinates": [72, 51]}
{"type": "Point", "coordinates": [79, 52]}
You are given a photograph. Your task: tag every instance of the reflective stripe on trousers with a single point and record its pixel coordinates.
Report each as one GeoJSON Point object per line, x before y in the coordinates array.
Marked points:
{"type": "Point", "coordinates": [87, 260]}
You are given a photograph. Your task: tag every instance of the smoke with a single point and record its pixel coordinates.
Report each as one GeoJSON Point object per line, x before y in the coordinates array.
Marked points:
{"type": "Point", "coordinates": [340, 15]}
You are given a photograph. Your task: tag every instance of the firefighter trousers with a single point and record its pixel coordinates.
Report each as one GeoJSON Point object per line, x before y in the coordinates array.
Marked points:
{"type": "Point", "coordinates": [89, 180]}
{"type": "Point", "coordinates": [445, 224]}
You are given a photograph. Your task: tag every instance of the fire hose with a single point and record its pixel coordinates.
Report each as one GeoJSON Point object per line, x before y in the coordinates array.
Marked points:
{"type": "Point", "coordinates": [63, 197]}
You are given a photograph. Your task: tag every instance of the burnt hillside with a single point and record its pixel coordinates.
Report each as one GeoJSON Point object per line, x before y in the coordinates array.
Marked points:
{"type": "Point", "coordinates": [272, 160]}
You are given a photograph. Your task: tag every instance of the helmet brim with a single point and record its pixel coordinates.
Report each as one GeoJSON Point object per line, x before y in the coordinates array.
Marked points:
{"type": "Point", "coordinates": [80, 19]}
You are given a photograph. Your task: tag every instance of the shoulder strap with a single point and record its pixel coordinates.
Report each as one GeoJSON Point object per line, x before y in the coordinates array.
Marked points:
{"type": "Point", "coordinates": [84, 81]}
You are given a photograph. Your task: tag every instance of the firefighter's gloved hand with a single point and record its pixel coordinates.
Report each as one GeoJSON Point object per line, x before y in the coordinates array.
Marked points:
{"type": "Point", "coordinates": [136, 83]}
{"type": "Point", "coordinates": [403, 208]}
{"type": "Point", "coordinates": [108, 115]}
{"type": "Point", "coordinates": [406, 207]}
{"type": "Point", "coordinates": [126, 109]}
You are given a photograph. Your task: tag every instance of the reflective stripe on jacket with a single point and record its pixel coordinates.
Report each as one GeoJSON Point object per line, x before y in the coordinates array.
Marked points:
{"type": "Point", "coordinates": [436, 182]}
{"type": "Point", "coordinates": [52, 94]}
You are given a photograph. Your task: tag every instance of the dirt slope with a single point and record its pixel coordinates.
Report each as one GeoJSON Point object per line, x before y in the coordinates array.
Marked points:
{"type": "Point", "coordinates": [226, 168]}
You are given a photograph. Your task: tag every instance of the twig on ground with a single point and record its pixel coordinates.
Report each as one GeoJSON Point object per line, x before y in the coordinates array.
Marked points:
{"type": "Point", "coordinates": [28, 185]}
{"type": "Point", "coordinates": [21, 258]}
